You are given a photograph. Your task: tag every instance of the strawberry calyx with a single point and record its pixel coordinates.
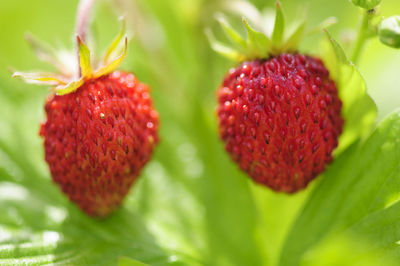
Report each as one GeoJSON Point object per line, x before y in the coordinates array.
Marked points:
{"type": "Point", "coordinates": [66, 82]}
{"type": "Point", "coordinates": [261, 44]}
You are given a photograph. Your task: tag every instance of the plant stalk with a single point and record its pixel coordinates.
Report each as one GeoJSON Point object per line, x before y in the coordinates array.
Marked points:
{"type": "Point", "coordinates": [362, 35]}
{"type": "Point", "coordinates": [82, 23]}
{"type": "Point", "coordinates": [82, 19]}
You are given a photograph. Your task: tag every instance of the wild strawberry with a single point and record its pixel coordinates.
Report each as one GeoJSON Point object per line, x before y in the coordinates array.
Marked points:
{"type": "Point", "coordinates": [279, 111]}
{"type": "Point", "coordinates": [100, 131]}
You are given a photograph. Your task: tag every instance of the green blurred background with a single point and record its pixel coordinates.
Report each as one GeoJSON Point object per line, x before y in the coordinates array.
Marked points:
{"type": "Point", "coordinates": [192, 205]}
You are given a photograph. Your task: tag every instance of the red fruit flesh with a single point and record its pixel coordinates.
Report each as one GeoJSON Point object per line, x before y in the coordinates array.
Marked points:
{"type": "Point", "coordinates": [280, 119]}
{"type": "Point", "coordinates": [98, 138]}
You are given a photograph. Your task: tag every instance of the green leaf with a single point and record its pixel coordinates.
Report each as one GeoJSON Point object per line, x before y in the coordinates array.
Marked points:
{"type": "Point", "coordinates": [277, 34]}
{"type": "Point", "coordinates": [356, 205]}
{"type": "Point", "coordinates": [366, 4]}
{"type": "Point", "coordinates": [125, 261]}
{"type": "Point", "coordinates": [359, 110]}
{"type": "Point", "coordinates": [389, 31]}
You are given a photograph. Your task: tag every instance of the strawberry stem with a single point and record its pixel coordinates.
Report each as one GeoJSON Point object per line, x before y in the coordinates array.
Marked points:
{"type": "Point", "coordinates": [82, 25]}
{"type": "Point", "coordinates": [82, 19]}
{"type": "Point", "coordinates": [363, 34]}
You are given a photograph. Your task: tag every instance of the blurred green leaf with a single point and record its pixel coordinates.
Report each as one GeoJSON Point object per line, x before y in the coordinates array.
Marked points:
{"type": "Point", "coordinates": [355, 206]}
{"type": "Point", "coordinates": [359, 110]}
{"type": "Point", "coordinates": [125, 261]}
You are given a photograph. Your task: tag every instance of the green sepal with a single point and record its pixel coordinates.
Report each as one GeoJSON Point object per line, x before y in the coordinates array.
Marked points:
{"type": "Point", "coordinates": [258, 44]}
{"type": "Point", "coordinates": [389, 31]}
{"type": "Point", "coordinates": [47, 54]}
{"type": "Point", "coordinates": [69, 80]}
{"type": "Point", "coordinates": [277, 34]}
{"type": "Point", "coordinates": [40, 78]}
{"type": "Point", "coordinates": [323, 25]}
{"type": "Point", "coordinates": [366, 4]}
{"type": "Point", "coordinates": [294, 40]}
{"type": "Point", "coordinates": [223, 49]}
{"type": "Point", "coordinates": [340, 55]}
{"type": "Point", "coordinates": [111, 66]}
{"type": "Point", "coordinates": [233, 35]}
{"type": "Point", "coordinates": [70, 87]}
{"type": "Point", "coordinates": [84, 59]}
{"type": "Point", "coordinates": [115, 43]}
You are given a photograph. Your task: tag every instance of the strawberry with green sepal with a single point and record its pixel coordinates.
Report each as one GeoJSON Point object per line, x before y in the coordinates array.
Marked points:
{"type": "Point", "coordinates": [279, 111]}
{"type": "Point", "coordinates": [101, 127]}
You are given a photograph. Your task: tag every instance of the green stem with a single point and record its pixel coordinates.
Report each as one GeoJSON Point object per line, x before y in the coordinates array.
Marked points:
{"type": "Point", "coordinates": [362, 35]}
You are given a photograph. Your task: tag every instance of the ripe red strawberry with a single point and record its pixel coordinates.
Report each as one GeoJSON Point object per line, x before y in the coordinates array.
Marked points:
{"type": "Point", "coordinates": [98, 138]}
{"type": "Point", "coordinates": [280, 119]}
{"type": "Point", "coordinates": [279, 112]}
{"type": "Point", "coordinates": [101, 129]}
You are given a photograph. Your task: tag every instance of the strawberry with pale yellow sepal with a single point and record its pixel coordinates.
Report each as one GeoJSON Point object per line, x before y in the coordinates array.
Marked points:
{"type": "Point", "coordinates": [101, 126]}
